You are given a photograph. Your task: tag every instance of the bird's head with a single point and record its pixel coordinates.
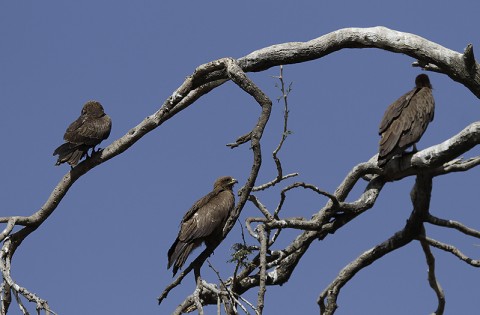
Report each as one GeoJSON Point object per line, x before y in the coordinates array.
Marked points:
{"type": "Point", "coordinates": [225, 182]}
{"type": "Point", "coordinates": [93, 108]}
{"type": "Point", "coordinates": [422, 80]}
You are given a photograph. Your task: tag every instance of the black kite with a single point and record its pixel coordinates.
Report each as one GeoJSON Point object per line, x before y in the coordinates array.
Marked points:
{"type": "Point", "coordinates": [405, 120]}
{"type": "Point", "coordinates": [92, 127]}
{"type": "Point", "coordinates": [204, 222]}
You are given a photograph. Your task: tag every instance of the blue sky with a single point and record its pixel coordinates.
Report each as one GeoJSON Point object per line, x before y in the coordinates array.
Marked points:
{"type": "Point", "coordinates": [104, 249]}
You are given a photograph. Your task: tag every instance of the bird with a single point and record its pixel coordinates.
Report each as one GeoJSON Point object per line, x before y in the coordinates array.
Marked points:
{"type": "Point", "coordinates": [204, 222]}
{"type": "Point", "coordinates": [92, 127]}
{"type": "Point", "coordinates": [405, 120]}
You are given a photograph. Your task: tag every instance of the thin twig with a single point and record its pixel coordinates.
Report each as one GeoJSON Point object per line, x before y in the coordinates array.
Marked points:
{"type": "Point", "coordinates": [453, 225]}
{"type": "Point", "coordinates": [20, 303]}
{"type": "Point", "coordinates": [260, 207]}
{"type": "Point", "coordinates": [280, 177]}
{"type": "Point", "coordinates": [451, 249]}
{"type": "Point", "coordinates": [225, 287]}
{"type": "Point", "coordinates": [334, 199]}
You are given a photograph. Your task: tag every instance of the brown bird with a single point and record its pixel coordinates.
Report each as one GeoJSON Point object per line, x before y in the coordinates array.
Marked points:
{"type": "Point", "coordinates": [204, 222]}
{"type": "Point", "coordinates": [405, 120]}
{"type": "Point", "coordinates": [92, 127]}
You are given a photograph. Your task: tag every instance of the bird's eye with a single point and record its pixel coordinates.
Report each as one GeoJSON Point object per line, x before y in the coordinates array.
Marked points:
{"type": "Point", "coordinates": [84, 112]}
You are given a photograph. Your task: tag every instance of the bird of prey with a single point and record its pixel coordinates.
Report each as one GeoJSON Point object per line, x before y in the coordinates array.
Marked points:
{"type": "Point", "coordinates": [405, 120]}
{"type": "Point", "coordinates": [86, 132]}
{"type": "Point", "coordinates": [204, 222]}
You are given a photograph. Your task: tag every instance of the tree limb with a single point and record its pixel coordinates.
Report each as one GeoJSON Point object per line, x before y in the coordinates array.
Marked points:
{"type": "Point", "coordinates": [451, 249]}
{"type": "Point", "coordinates": [432, 278]}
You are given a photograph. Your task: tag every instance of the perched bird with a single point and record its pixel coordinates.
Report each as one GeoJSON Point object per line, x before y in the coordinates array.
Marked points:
{"type": "Point", "coordinates": [204, 222]}
{"type": "Point", "coordinates": [405, 120]}
{"type": "Point", "coordinates": [86, 132]}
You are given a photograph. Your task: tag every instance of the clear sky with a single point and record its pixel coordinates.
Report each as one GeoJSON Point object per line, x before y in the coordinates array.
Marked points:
{"type": "Point", "coordinates": [103, 251]}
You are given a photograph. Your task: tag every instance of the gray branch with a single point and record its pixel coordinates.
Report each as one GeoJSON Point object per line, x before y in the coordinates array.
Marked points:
{"type": "Point", "coordinates": [451, 249]}
{"type": "Point", "coordinates": [280, 177]}
{"type": "Point", "coordinates": [453, 225]}
{"type": "Point", "coordinates": [432, 278]}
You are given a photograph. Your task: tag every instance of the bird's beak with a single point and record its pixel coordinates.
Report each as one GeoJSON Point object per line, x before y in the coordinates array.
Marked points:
{"type": "Point", "coordinates": [234, 181]}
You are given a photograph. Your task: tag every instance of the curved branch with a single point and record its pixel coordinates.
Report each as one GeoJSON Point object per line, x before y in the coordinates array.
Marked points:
{"type": "Point", "coordinates": [333, 198]}
{"type": "Point", "coordinates": [447, 61]}
{"type": "Point", "coordinates": [449, 149]}
{"type": "Point", "coordinates": [451, 249]}
{"type": "Point", "coordinates": [432, 278]}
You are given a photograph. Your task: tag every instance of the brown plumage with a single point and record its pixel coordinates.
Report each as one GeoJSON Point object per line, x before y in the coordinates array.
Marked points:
{"type": "Point", "coordinates": [405, 120]}
{"type": "Point", "coordinates": [204, 222]}
{"type": "Point", "coordinates": [92, 127]}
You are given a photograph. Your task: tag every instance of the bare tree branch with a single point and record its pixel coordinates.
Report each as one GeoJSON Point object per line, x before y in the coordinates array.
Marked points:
{"type": "Point", "coordinates": [231, 298]}
{"type": "Point", "coordinates": [285, 133]}
{"type": "Point", "coordinates": [5, 265]}
{"type": "Point", "coordinates": [260, 207]}
{"type": "Point", "coordinates": [457, 165]}
{"type": "Point", "coordinates": [469, 59]}
{"type": "Point", "coordinates": [333, 199]}
{"type": "Point", "coordinates": [449, 61]}
{"type": "Point", "coordinates": [196, 297]}
{"type": "Point", "coordinates": [453, 225]}
{"type": "Point", "coordinates": [263, 269]}
{"type": "Point", "coordinates": [451, 249]}
{"type": "Point", "coordinates": [449, 149]}
{"type": "Point", "coordinates": [432, 278]}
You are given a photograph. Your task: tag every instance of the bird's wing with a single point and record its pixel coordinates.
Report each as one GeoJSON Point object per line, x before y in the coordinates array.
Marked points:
{"type": "Point", "coordinates": [89, 130]}
{"type": "Point", "coordinates": [390, 138]}
{"type": "Point", "coordinates": [199, 204]}
{"type": "Point", "coordinates": [210, 215]}
{"type": "Point", "coordinates": [394, 110]}
{"type": "Point", "coordinates": [417, 117]}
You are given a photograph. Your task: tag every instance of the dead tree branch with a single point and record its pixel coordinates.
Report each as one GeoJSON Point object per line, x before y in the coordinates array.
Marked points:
{"type": "Point", "coordinates": [285, 133]}
{"type": "Point", "coordinates": [453, 225]}
{"type": "Point", "coordinates": [432, 278]}
{"type": "Point", "coordinates": [263, 269]}
{"type": "Point", "coordinates": [451, 249]}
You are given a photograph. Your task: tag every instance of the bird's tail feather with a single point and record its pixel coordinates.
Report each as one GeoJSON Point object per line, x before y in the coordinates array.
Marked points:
{"type": "Point", "coordinates": [70, 153]}
{"type": "Point", "coordinates": [178, 254]}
